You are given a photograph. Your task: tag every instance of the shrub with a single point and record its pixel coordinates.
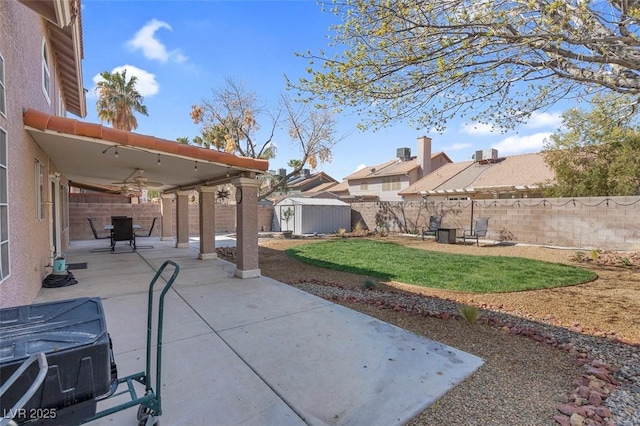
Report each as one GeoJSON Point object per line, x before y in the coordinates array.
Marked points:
{"type": "Point", "coordinates": [594, 254]}
{"type": "Point", "coordinates": [470, 313]}
{"type": "Point", "coordinates": [342, 232]}
{"type": "Point", "coordinates": [369, 284]}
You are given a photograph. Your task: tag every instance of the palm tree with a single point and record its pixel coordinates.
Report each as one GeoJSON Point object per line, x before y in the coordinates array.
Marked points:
{"type": "Point", "coordinates": [118, 99]}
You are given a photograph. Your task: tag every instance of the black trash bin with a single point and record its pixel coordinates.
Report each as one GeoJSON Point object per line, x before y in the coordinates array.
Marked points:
{"type": "Point", "coordinates": [73, 336]}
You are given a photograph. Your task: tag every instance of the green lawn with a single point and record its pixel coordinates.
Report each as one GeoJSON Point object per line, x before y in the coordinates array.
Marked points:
{"type": "Point", "coordinates": [480, 274]}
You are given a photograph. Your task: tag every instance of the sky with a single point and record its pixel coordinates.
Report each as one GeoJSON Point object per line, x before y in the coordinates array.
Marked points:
{"type": "Point", "coordinates": [182, 50]}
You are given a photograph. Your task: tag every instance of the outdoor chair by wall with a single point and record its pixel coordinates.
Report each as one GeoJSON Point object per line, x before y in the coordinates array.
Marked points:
{"type": "Point", "coordinates": [95, 233]}
{"type": "Point", "coordinates": [150, 228]}
{"type": "Point", "coordinates": [123, 231]}
{"type": "Point", "coordinates": [434, 223]}
{"type": "Point", "coordinates": [479, 231]}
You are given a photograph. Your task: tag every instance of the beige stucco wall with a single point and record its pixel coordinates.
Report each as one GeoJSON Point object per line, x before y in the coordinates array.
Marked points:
{"type": "Point", "coordinates": [21, 47]}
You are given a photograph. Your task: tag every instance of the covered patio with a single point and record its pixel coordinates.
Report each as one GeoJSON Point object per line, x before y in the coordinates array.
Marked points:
{"type": "Point", "coordinates": [96, 157]}
{"type": "Point", "coordinates": [258, 351]}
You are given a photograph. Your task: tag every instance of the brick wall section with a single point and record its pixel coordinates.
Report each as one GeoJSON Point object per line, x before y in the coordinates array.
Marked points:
{"type": "Point", "coordinates": [596, 222]}
{"type": "Point", "coordinates": [143, 214]}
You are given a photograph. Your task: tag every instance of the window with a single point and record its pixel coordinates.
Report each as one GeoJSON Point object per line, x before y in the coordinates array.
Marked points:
{"type": "Point", "coordinates": [364, 185]}
{"type": "Point", "coordinates": [391, 183]}
{"type": "Point", "coordinates": [2, 88]}
{"type": "Point", "coordinates": [4, 208]}
{"type": "Point", "coordinates": [46, 72]}
{"type": "Point", "coordinates": [39, 190]}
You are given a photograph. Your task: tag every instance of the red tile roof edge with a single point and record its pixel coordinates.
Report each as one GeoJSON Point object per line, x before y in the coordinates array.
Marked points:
{"type": "Point", "coordinates": [69, 126]}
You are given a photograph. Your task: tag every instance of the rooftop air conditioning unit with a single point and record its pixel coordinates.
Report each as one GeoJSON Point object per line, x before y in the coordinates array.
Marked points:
{"type": "Point", "coordinates": [403, 153]}
{"type": "Point", "coordinates": [486, 154]}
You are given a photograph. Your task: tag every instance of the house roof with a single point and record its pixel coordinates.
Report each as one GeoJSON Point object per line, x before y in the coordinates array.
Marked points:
{"type": "Point", "coordinates": [392, 167]}
{"type": "Point", "coordinates": [322, 187]}
{"type": "Point", "coordinates": [63, 24]}
{"type": "Point", "coordinates": [389, 168]}
{"type": "Point", "coordinates": [310, 179]}
{"type": "Point", "coordinates": [526, 171]}
{"type": "Point", "coordinates": [85, 153]}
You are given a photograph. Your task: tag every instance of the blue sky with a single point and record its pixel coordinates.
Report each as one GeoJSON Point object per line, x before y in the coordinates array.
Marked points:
{"type": "Point", "coordinates": [181, 50]}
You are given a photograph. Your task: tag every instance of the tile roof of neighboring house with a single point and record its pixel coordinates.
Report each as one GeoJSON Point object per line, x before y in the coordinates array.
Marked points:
{"type": "Point", "coordinates": [341, 187]}
{"type": "Point", "coordinates": [391, 168]}
{"type": "Point", "coordinates": [436, 178]}
{"type": "Point", "coordinates": [526, 170]}
{"type": "Point", "coordinates": [309, 179]}
{"type": "Point", "coordinates": [322, 187]}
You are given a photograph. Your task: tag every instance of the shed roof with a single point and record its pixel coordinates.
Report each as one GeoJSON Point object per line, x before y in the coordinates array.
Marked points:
{"type": "Point", "coordinates": [312, 201]}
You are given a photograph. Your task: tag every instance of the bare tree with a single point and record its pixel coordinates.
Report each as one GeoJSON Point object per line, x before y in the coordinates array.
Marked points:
{"type": "Point", "coordinates": [497, 61]}
{"type": "Point", "coordinates": [230, 123]}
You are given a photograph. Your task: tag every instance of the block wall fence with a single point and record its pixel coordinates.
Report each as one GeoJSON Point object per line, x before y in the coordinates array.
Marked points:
{"type": "Point", "coordinates": [611, 223]}
{"type": "Point", "coordinates": [143, 214]}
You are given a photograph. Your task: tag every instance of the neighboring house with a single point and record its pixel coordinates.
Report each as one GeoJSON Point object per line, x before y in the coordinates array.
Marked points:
{"type": "Point", "coordinates": [335, 190]}
{"type": "Point", "coordinates": [488, 176]}
{"type": "Point", "coordinates": [42, 151]}
{"type": "Point", "coordinates": [303, 182]}
{"type": "Point", "coordinates": [386, 180]}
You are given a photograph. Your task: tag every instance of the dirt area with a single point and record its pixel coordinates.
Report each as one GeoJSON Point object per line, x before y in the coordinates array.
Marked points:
{"type": "Point", "coordinates": [610, 305]}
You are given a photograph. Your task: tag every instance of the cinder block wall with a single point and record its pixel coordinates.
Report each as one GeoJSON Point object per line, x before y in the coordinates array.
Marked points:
{"type": "Point", "coordinates": [143, 214]}
{"type": "Point", "coordinates": [596, 222]}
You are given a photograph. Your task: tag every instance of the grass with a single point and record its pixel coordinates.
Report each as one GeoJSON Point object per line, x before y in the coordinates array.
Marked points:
{"type": "Point", "coordinates": [479, 274]}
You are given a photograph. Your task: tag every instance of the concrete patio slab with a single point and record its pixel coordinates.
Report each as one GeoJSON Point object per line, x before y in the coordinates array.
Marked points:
{"type": "Point", "coordinates": [257, 351]}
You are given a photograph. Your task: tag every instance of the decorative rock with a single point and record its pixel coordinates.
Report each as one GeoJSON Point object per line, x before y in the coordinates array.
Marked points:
{"type": "Point", "coordinates": [595, 398]}
{"type": "Point", "coordinates": [603, 412]}
{"type": "Point", "coordinates": [567, 409]}
{"type": "Point", "coordinates": [562, 420]}
{"type": "Point", "coordinates": [576, 420]}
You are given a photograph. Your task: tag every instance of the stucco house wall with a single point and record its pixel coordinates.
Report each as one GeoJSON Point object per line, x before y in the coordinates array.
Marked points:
{"type": "Point", "coordinates": [21, 45]}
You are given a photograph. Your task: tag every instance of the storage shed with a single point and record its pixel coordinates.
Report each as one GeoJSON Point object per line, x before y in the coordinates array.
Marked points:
{"type": "Point", "coordinates": [311, 215]}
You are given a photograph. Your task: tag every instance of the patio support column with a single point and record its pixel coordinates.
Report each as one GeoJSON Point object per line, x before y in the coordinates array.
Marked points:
{"type": "Point", "coordinates": [166, 214]}
{"type": "Point", "coordinates": [207, 200]}
{"type": "Point", "coordinates": [182, 219]}
{"type": "Point", "coordinates": [246, 227]}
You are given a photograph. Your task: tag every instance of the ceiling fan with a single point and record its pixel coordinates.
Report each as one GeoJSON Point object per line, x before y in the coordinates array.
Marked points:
{"type": "Point", "coordinates": [135, 183]}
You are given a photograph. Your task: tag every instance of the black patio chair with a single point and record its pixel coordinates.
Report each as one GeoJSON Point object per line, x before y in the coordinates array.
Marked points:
{"type": "Point", "coordinates": [95, 233]}
{"type": "Point", "coordinates": [123, 231]}
{"type": "Point", "coordinates": [153, 223]}
{"type": "Point", "coordinates": [435, 222]}
{"type": "Point", "coordinates": [479, 231]}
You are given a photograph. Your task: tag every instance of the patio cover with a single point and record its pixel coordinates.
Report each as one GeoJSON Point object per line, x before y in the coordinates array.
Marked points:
{"type": "Point", "coordinates": [85, 154]}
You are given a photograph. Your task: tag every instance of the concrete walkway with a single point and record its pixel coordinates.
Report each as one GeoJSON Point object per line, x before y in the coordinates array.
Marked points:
{"type": "Point", "coordinates": [257, 351]}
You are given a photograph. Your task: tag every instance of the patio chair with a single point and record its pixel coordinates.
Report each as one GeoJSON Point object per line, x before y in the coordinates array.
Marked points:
{"type": "Point", "coordinates": [95, 233]}
{"type": "Point", "coordinates": [478, 231]}
{"type": "Point", "coordinates": [153, 223]}
{"type": "Point", "coordinates": [434, 223]}
{"type": "Point", "coordinates": [123, 231]}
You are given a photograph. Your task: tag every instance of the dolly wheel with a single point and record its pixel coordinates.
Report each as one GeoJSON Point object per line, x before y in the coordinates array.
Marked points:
{"type": "Point", "coordinates": [144, 411]}
{"type": "Point", "coordinates": [149, 421]}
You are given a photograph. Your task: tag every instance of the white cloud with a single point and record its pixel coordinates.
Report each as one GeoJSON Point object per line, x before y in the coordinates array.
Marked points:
{"type": "Point", "coordinates": [146, 41]}
{"type": "Point", "coordinates": [544, 119]}
{"type": "Point", "coordinates": [458, 146]}
{"type": "Point", "coordinates": [146, 84]}
{"type": "Point", "coordinates": [477, 129]}
{"type": "Point", "coordinates": [520, 144]}
{"type": "Point", "coordinates": [360, 167]}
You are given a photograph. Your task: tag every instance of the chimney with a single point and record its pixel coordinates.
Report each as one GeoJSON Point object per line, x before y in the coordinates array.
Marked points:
{"type": "Point", "coordinates": [424, 156]}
